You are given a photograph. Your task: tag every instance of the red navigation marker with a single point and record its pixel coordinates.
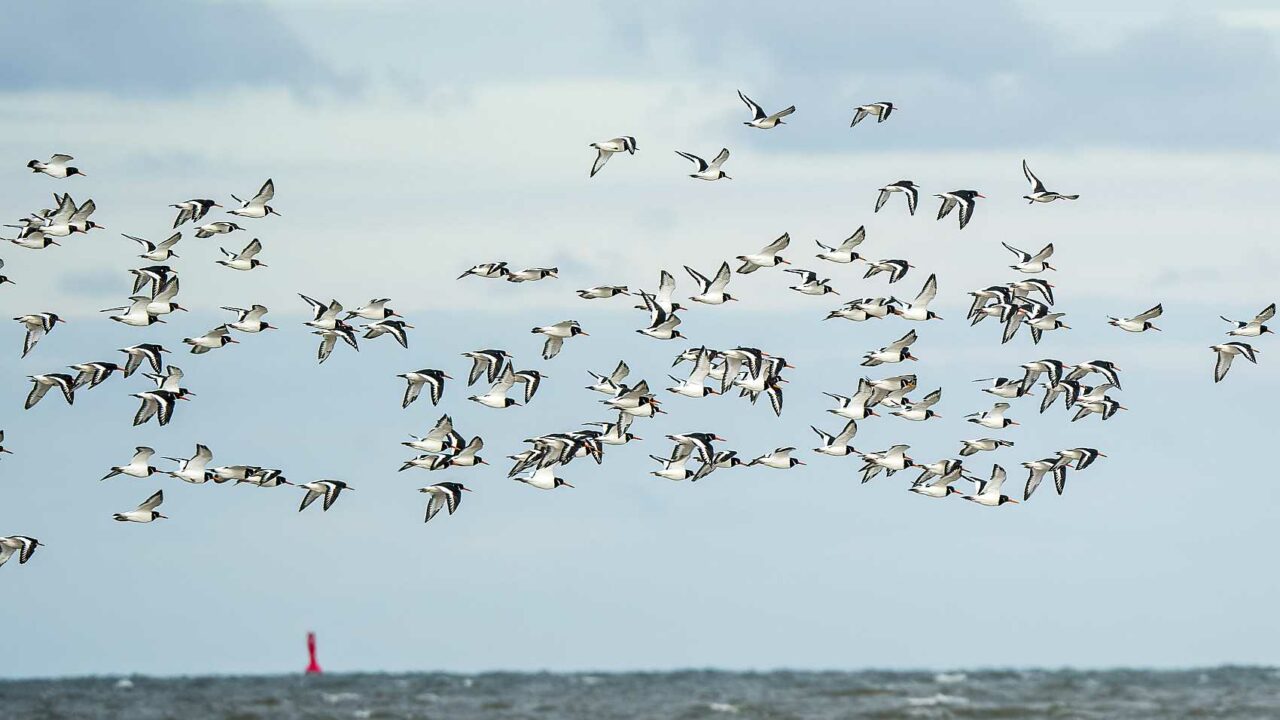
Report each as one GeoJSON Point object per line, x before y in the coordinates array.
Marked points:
{"type": "Point", "coordinates": [313, 667]}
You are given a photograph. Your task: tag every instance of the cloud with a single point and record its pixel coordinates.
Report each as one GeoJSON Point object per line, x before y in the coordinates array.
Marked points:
{"type": "Point", "coordinates": [153, 47]}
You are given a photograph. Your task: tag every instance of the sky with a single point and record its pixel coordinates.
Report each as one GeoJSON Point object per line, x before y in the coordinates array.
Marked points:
{"type": "Point", "coordinates": [409, 141]}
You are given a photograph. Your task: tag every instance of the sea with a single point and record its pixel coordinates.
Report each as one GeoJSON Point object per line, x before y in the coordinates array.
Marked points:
{"type": "Point", "coordinates": [1227, 692]}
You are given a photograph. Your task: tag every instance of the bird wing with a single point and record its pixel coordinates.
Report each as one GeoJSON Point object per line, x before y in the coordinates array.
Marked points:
{"type": "Point", "coordinates": [552, 347]}
{"type": "Point", "coordinates": [1150, 314]}
{"type": "Point", "coordinates": [853, 240]}
{"type": "Point", "coordinates": [948, 202]}
{"type": "Point", "coordinates": [719, 159]}
{"type": "Point", "coordinates": [857, 118]}
{"type": "Point", "coordinates": [927, 293]}
{"type": "Point", "coordinates": [620, 372]}
{"type": "Point", "coordinates": [436, 502]}
{"type": "Point", "coordinates": [1223, 364]}
{"type": "Point", "coordinates": [757, 112]}
{"type": "Point", "coordinates": [997, 480]}
{"type": "Point", "coordinates": [1036, 185]}
{"type": "Point", "coordinates": [903, 342]}
{"type": "Point", "coordinates": [327, 341]}
{"type": "Point", "coordinates": [702, 164]}
{"type": "Point", "coordinates": [152, 502]}
{"type": "Point", "coordinates": [1044, 254]}
{"type": "Point", "coordinates": [331, 491]}
{"type": "Point", "coordinates": [602, 157]}
{"type": "Point", "coordinates": [698, 278]}
{"type": "Point", "coordinates": [253, 248]}
{"type": "Point", "coordinates": [411, 391]}
{"type": "Point", "coordinates": [882, 199]}
{"type": "Point", "coordinates": [265, 194]}
{"type": "Point", "coordinates": [1023, 256]}
{"type": "Point", "coordinates": [1267, 313]}
{"type": "Point", "coordinates": [778, 245]}
{"type": "Point", "coordinates": [308, 499]}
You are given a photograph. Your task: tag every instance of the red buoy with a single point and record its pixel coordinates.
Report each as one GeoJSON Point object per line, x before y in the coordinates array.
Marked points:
{"type": "Point", "coordinates": [313, 667]}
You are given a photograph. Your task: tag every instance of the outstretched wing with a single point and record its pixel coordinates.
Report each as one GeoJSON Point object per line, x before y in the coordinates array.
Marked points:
{"type": "Point", "coordinates": [1036, 185]}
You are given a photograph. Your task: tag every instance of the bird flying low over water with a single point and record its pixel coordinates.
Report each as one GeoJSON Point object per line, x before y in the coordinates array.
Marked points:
{"type": "Point", "coordinates": [759, 118]}
{"type": "Point", "coordinates": [608, 148]}
{"type": "Point", "coordinates": [1038, 193]}
{"type": "Point", "coordinates": [707, 170]}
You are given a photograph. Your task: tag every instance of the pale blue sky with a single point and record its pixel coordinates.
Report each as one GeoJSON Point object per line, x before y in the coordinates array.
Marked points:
{"type": "Point", "coordinates": [413, 141]}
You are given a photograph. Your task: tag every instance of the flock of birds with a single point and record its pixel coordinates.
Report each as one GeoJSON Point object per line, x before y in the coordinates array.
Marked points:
{"type": "Point", "coordinates": [1084, 387]}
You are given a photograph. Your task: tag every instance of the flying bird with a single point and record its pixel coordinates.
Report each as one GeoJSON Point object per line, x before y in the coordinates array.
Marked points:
{"type": "Point", "coordinates": [1038, 193]}
{"type": "Point", "coordinates": [1227, 352]}
{"type": "Point", "coordinates": [707, 171]}
{"type": "Point", "coordinates": [906, 187]}
{"type": "Point", "coordinates": [56, 167]}
{"type": "Point", "coordinates": [257, 207]}
{"type": "Point", "coordinates": [881, 110]}
{"type": "Point", "coordinates": [445, 494]}
{"type": "Point", "coordinates": [608, 148]}
{"type": "Point", "coordinates": [759, 118]}
{"type": "Point", "coordinates": [965, 199]}
{"type": "Point", "coordinates": [1138, 323]}
{"type": "Point", "coordinates": [146, 512]}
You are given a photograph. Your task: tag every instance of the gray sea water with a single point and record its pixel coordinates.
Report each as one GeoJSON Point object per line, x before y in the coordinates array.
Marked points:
{"type": "Point", "coordinates": [1209, 693]}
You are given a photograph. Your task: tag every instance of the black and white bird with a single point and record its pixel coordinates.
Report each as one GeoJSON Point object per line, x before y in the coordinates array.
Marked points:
{"type": "Point", "coordinates": [1038, 193]}
{"type": "Point", "coordinates": [760, 119]}
{"type": "Point", "coordinates": [159, 404]}
{"type": "Point", "coordinates": [707, 171]}
{"type": "Point", "coordinates": [988, 491]}
{"type": "Point", "coordinates": [532, 380]}
{"type": "Point", "coordinates": [1226, 352]}
{"type": "Point", "coordinates": [256, 206]}
{"type": "Point", "coordinates": [1028, 263]}
{"type": "Point", "coordinates": [662, 323]}
{"type": "Point", "coordinates": [609, 384]}
{"type": "Point", "coordinates": [440, 438]}
{"type": "Point", "coordinates": [919, 310]}
{"type": "Point", "coordinates": [195, 468]}
{"type": "Point", "coordinates": [93, 374]}
{"type": "Point", "coordinates": [1254, 327]}
{"type": "Point", "coordinates": [1140, 322]}
{"type": "Point", "coordinates": [150, 352]}
{"type": "Point", "coordinates": [922, 410]}
{"type": "Point", "coordinates": [1036, 470]}
{"type": "Point", "coordinates": [906, 187]}
{"type": "Point", "coordinates": [889, 461]}
{"type": "Point", "coordinates": [157, 252]}
{"type": "Point", "coordinates": [432, 379]}
{"type": "Point", "coordinates": [42, 383]}
{"type": "Point", "coordinates": [4, 450]}
{"type": "Point", "coordinates": [895, 352]}
{"type": "Point", "coordinates": [965, 199]}
{"type": "Point", "coordinates": [778, 459]}
{"type": "Point", "coordinates": [245, 259]}
{"type": "Point", "coordinates": [139, 466]}
{"type": "Point", "coordinates": [489, 270]}
{"type": "Point", "coordinates": [601, 292]}
{"type": "Point", "coordinates": [767, 257]}
{"type": "Point", "coordinates": [1105, 406]}
{"type": "Point", "coordinates": [971, 447]}
{"type": "Point", "coordinates": [445, 494]}
{"type": "Point", "coordinates": [711, 291]}
{"type": "Point", "coordinates": [146, 512]}
{"type": "Point", "coordinates": [221, 227]}
{"type": "Point", "coordinates": [191, 210]}
{"type": "Point", "coordinates": [836, 445]}
{"type": "Point", "coordinates": [329, 339]}
{"type": "Point", "coordinates": [496, 396]}
{"type": "Point", "coordinates": [212, 340]}
{"type": "Point", "coordinates": [375, 309]}
{"type": "Point", "coordinates": [608, 148]}
{"type": "Point", "coordinates": [881, 110]}
{"type": "Point", "coordinates": [23, 545]}
{"type": "Point", "coordinates": [56, 166]}
{"type": "Point", "coordinates": [486, 363]}
{"type": "Point", "coordinates": [695, 385]}
{"type": "Point", "coordinates": [328, 489]}
{"type": "Point", "coordinates": [993, 418]}
{"type": "Point", "coordinates": [556, 335]}
{"type": "Point", "coordinates": [844, 253]}
{"type": "Point", "coordinates": [249, 320]}
{"type": "Point", "coordinates": [397, 329]}
{"type": "Point", "coordinates": [810, 284]}
{"type": "Point", "coordinates": [37, 326]}
{"type": "Point", "coordinates": [532, 274]}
